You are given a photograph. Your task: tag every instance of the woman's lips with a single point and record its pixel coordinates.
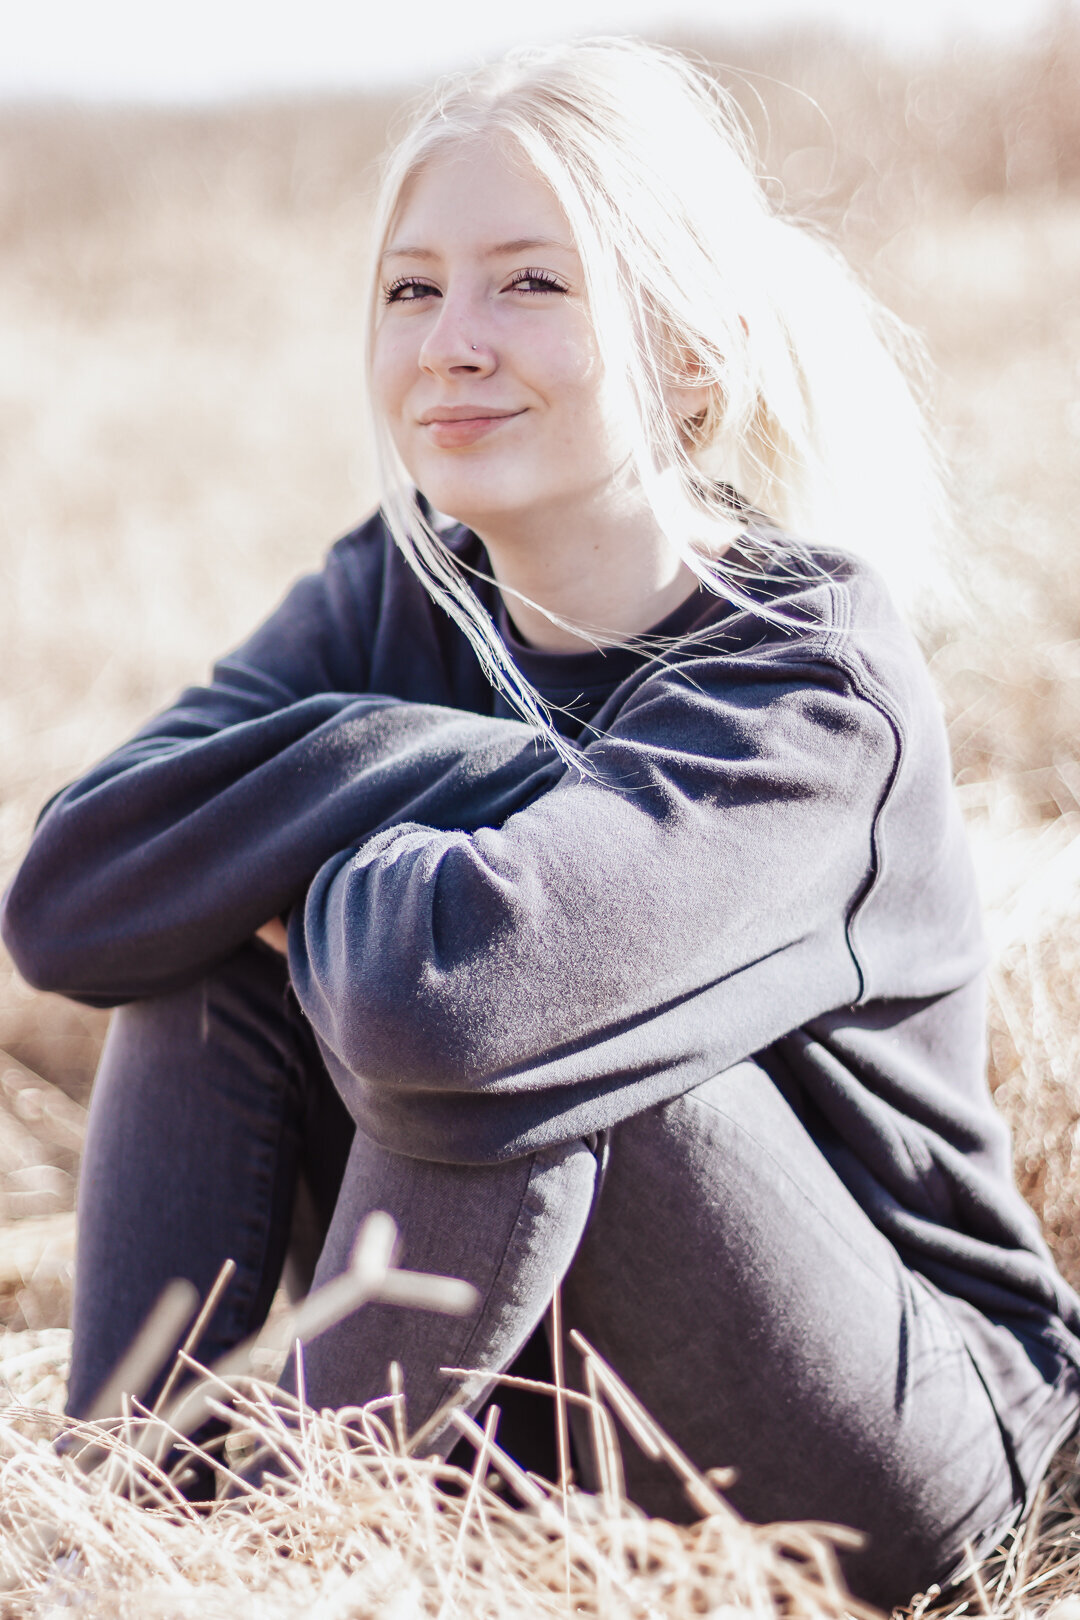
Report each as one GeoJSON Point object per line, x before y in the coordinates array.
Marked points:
{"type": "Point", "coordinates": [466, 429]}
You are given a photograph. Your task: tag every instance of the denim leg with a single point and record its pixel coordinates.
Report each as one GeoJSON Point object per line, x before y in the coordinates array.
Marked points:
{"type": "Point", "coordinates": [206, 1104]}
{"type": "Point", "coordinates": [509, 1229]}
{"type": "Point", "coordinates": [743, 1294]}
{"type": "Point", "coordinates": [723, 1269]}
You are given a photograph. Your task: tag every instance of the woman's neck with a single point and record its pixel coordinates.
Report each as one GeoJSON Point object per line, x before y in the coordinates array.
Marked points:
{"type": "Point", "coordinates": [614, 575]}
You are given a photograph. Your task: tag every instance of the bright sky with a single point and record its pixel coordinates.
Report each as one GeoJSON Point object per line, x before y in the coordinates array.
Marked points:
{"type": "Point", "coordinates": [199, 49]}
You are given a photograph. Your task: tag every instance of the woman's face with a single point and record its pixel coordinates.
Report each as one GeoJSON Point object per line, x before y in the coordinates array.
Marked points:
{"type": "Point", "coordinates": [485, 361]}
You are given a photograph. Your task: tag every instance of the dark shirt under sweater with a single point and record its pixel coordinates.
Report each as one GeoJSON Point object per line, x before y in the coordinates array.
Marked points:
{"type": "Point", "coordinates": [760, 855]}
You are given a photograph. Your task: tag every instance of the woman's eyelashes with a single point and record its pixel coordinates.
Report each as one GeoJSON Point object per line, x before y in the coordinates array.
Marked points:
{"type": "Point", "coordinates": [414, 289]}
{"type": "Point", "coordinates": [543, 281]}
{"type": "Point", "coordinates": [409, 290]}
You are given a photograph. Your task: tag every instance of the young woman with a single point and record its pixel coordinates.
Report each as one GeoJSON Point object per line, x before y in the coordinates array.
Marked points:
{"type": "Point", "coordinates": [575, 874]}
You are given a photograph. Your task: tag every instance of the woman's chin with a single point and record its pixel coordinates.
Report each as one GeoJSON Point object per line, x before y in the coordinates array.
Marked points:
{"type": "Point", "coordinates": [476, 511]}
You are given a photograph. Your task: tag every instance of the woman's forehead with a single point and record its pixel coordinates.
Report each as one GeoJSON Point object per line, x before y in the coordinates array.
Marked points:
{"type": "Point", "coordinates": [483, 191]}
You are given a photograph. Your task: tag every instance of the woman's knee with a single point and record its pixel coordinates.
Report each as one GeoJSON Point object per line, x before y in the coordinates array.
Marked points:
{"type": "Point", "coordinates": [236, 1018]}
{"type": "Point", "coordinates": [511, 1230]}
{"type": "Point", "coordinates": [737, 1286]}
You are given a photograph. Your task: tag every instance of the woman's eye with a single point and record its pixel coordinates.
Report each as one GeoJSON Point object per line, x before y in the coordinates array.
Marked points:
{"type": "Point", "coordinates": [537, 281]}
{"type": "Point", "coordinates": [409, 290]}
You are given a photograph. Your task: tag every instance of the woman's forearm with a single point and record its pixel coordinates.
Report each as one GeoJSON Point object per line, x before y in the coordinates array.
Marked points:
{"type": "Point", "coordinates": [177, 848]}
{"type": "Point", "coordinates": [634, 929]}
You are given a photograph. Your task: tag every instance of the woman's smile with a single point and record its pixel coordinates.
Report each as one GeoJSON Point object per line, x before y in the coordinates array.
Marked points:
{"type": "Point", "coordinates": [454, 427]}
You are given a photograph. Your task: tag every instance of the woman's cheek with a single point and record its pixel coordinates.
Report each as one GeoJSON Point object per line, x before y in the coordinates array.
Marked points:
{"type": "Point", "coordinates": [394, 369]}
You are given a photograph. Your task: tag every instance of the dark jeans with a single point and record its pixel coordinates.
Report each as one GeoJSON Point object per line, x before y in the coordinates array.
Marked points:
{"type": "Point", "coordinates": [719, 1264]}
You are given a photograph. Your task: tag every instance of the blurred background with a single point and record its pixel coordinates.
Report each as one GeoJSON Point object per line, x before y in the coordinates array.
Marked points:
{"type": "Point", "coordinates": [184, 201]}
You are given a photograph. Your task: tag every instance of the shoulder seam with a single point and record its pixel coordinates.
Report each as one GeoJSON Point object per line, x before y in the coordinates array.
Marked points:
{"type": "Point", "coordinates": [872, 693]}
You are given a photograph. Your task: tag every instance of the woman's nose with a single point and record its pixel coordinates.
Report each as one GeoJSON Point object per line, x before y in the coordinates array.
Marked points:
{"type": "Point", "coordinates": [457, 344]}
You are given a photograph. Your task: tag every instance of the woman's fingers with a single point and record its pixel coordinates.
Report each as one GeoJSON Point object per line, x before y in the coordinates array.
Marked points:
{"type": "Point", "coordinates": [274, 934]}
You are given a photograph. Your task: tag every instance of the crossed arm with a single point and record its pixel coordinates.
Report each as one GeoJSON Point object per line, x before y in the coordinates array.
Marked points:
{"type": "Point", "coordinates": [467, 914]}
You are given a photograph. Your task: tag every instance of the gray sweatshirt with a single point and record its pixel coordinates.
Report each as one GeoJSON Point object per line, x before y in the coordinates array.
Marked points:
{"type": "Point", "coordinates": [760, 854]}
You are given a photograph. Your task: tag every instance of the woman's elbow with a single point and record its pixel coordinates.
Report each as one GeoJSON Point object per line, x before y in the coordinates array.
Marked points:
{"type": "Point", "coordinates": [37, 942]}
{"type": "Point", "coordinates": [408, 1054]}
{"type": "Point", "coordinates": [391, 1035]}
{"type": "Point", "coordinates": [59, 945]}
{"type": "Point", "coordinates": [400, 999]}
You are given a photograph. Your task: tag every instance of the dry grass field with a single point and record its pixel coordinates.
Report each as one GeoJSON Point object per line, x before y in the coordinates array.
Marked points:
{"type": "Point", "coordinates": [181, 432]}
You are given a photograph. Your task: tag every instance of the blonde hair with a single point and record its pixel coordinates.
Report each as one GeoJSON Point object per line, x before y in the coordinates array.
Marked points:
{"type": "Point", "coordinates": [691, 274]}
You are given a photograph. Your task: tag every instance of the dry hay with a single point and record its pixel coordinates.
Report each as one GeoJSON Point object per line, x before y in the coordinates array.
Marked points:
{"type": "Point", "coordinates": [1035, 1026]}
{"type": "Point", "coordinates": [356, 1526]}
{"type": "Point", "coordinates": [41, 1136]}
{"type": "Point", "coordinates": [354, 1523]}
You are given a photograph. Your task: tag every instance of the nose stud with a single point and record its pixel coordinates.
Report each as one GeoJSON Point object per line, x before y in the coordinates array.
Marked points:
{"type": "Point", "coordinates": [472, 346]}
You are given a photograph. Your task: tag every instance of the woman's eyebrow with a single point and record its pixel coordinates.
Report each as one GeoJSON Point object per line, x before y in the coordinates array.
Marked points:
{"type": "Point", "coordinates": [520, 244]}
{"type": "Point", "coordinates": [525, 244]}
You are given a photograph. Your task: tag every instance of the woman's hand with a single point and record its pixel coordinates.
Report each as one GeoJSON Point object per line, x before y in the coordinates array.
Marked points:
{"type": "Point", "coordinates": [275, 934]}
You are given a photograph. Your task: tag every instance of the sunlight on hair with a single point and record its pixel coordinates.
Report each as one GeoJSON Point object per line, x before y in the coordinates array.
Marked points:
{"type": "Point", "coordinates": [692, 275]}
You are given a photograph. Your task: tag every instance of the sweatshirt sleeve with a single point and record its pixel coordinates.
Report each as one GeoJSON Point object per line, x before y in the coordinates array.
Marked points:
{"type": "Point", "coordinates": [199, 838]}
{"type": "Point", "coordinates": [215, 816]}
{"type": "Point", "coordinates": [635, 927]}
